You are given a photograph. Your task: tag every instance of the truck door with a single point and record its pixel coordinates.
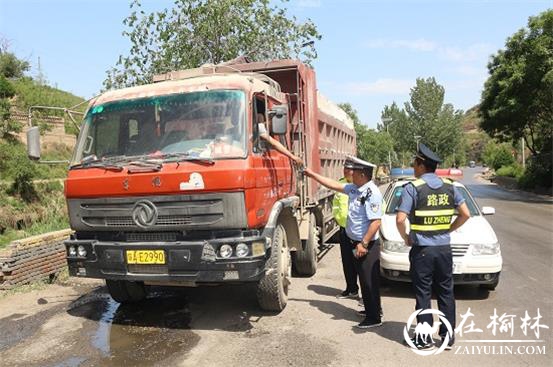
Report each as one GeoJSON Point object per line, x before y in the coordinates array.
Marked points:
{"type": "Point", "coordinates": [269, 164]}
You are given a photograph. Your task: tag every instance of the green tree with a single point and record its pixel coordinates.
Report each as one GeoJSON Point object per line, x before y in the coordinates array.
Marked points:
{"type": "Point", "coordinates": [372, 146]}
{"type": "Point", "coordinates": [7, 125]}
{"type": "Point", "coordinates": [437, 125]}
{"type": "Point", "coordinates": [195, 32]}
{"type": "Point", "coordinates": [517, 100]}
{"type": "Point", "coordinates": [11, 66]}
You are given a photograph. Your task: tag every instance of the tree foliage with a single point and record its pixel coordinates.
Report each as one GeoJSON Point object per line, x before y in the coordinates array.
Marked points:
{"type": "Point", "coordinates": [517, 100]}
{"type": "Point", "coordinates": [372, 146]}
{"type": "Point", "coordinates": [437, 124]}
{"type": "Point", "coordinates": [11, 66]}
{"type": "Point", "coordinates": [195, 32]}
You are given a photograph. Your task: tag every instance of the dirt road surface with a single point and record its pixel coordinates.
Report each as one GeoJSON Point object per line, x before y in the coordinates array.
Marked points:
{"type": "Point", "coordinates": [78, 324]}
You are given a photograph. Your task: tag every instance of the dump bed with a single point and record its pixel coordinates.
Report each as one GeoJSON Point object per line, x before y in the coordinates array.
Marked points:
{"type": "Point", "coordinates": [322, 132]}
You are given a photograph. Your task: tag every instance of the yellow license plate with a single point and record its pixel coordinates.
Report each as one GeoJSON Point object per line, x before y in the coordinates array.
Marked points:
{"type": "Point", "coordinates": [145, 257]}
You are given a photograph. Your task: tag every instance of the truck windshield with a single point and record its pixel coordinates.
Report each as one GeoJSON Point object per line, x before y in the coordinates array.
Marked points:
{"type": "Point", "coordinates": [208, 124]}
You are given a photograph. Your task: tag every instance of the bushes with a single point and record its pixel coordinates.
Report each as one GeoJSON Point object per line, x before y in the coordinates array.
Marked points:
{"type": "Point", "coordinates": [498, 155]}
{"type": "Point", "coordinates": [513, 170]}
{"type": "Point", "coordinates": [539, 173]}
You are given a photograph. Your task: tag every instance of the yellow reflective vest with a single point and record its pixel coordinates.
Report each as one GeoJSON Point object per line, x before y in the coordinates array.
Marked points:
{"type": "Point", "coordinates": [340, 207]}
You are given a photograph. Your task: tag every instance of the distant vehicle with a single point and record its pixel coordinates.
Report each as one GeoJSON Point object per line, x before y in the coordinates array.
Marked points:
{"type": "Point", "coordinates": [476, 251]}
{"type": "Point", "coordinates": [472, 164]}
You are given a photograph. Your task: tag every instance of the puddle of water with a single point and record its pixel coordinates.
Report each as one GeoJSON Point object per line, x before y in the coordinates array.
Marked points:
{"type": "Point", "coordinates": [140, 334]}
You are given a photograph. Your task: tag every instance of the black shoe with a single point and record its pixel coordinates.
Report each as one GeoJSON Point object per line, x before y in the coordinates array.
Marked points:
{"type": "Point", "coordinates": [367, 324]}
{"type": "Point", "coordinates": [421, 345]}
{"type": "Point", "coordinates": [348, 294]}
{"type": "Point", "coordinates": [364, 313]}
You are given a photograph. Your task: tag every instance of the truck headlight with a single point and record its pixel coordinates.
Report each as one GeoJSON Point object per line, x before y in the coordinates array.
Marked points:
{"type": "Point", "coordinates": [396, 246]}
{"type": "Point", "coordinates": [485, 249]}
{"type": "Point", "coordinates": [225, 251]}
{"type": "Point", "coordinates": [242, 250]}
{"type": "Point", "coordinates": [81, 251]}
{"type": "Point", "coordinates": [72, 251]}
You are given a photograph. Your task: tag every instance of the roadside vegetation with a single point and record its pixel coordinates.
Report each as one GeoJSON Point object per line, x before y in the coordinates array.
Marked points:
{"type": "Point", "coordinates": [31, 194]}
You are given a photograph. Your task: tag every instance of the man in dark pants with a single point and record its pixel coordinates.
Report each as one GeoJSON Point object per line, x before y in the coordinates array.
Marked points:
{"type": "Point", "coordinates": [430, 204]}
{"type": "Point", "coordinates": [363, 223]}
{"type": "Point", "coordinates": [340, 212]}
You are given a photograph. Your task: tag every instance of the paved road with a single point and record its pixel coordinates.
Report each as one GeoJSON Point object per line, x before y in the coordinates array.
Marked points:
{"type": "Point", "coordinates": [78, 324]}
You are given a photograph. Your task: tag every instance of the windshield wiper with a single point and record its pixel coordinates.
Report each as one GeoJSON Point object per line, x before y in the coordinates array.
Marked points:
{"type": "Point", "coordinates": [186, 157]}
{"type": "Point", "coordinates": [98, 163]}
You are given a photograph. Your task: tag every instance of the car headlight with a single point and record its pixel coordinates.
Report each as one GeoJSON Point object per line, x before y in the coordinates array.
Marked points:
{"type": "Point", "coordinates": [225, 251]}
{"type": "Point", "coordinates": [485, 249]}
{"type": "Point", "coordinates": [396, 246]}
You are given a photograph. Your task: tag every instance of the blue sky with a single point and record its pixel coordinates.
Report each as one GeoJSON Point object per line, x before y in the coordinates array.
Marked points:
{"type": "Point", "coordinates": [370, 55]}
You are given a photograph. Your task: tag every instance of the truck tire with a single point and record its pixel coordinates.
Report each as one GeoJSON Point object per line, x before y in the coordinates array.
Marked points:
{"type": "Point", "coordinates": [272, 289]}
{"type": "Point", "coordinates": [305, 259]}
{"type": "Point", "coordinates": [124, 291]}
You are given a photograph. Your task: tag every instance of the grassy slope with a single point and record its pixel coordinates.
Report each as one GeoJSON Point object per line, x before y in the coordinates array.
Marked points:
{"type": "Point", "coordinates": [19, 219]}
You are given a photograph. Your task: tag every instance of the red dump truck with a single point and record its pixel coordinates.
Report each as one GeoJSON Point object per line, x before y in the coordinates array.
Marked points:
{"type": "Point", "coordinates": [170, 183]}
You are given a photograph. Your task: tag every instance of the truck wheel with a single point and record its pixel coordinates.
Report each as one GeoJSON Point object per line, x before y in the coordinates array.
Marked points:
{"type": "Point", "coordinates": [124, 291]}
{"type": "Point", "coordinates": [272, 289]}
{"type": "Point", "coordinates": [305, 260]}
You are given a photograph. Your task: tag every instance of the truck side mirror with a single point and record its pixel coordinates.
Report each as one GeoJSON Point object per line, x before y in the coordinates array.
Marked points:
{"type": "Point", "coordinates": [279, 120]}
{"type": "Point", "coordinates": [33, 143]}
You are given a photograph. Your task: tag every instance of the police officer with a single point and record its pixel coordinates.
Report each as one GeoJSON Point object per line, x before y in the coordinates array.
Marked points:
{"type": "Point", "coordinates": [340, 212]}
{"type": "Point", "coordinates": [363, 223]}
{"type": "Point", "coordinates": [429, 202]}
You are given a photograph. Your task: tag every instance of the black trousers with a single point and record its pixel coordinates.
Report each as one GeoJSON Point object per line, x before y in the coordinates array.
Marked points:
{"type": "Point", "coordinates": [347, 262]}
{"type": "Point", "coordinates": [432, 269]}
{"type": "Point", "coordinates": [368, 269]}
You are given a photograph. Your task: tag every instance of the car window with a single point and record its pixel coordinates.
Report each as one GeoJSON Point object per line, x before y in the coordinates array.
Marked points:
{"type": "Point", "coordinates": [396, 196]}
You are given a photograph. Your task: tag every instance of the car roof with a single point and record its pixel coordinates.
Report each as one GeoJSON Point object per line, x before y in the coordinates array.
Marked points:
{"type": "Point", "coordinates": [404, 180]}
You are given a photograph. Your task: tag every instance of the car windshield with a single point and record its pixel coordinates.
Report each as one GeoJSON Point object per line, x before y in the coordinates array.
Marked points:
{"type": "Point", "coordinates": [208, 124]}
{"type": "Point", "coordinates": [396, 195]}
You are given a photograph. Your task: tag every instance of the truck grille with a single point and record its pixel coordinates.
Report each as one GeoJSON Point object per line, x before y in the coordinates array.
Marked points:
{"type": "Point", "coordinates": [152, 237]}
{"type": "Point", "coordinates": [459, 250]}
{"type": "Point", "coordinates": [155, 213]}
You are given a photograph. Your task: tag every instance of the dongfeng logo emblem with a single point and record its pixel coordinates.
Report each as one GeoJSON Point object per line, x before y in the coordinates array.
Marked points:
{"type": "Point", "coordinates": [424, 331]}
{"type": "Point", "coordinates": [144, 213]}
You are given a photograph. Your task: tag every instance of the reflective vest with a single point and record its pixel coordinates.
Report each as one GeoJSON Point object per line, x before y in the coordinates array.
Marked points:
{"type": "Point", "coordinates": [434, 208]}
{"type": "Point", "coordinates": [340, 207]}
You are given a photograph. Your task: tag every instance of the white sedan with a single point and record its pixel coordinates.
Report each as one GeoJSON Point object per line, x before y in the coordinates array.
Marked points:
{"type": "Point", "coordinates": [476, 251]}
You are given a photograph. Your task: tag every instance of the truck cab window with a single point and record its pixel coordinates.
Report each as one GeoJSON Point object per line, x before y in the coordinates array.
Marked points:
{"type": "Point", "coordinates": [259, 122]}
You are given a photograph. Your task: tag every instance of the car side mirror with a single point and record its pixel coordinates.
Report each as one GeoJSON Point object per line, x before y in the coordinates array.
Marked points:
{"type": "Point", "coordinates": [488, 210]}
{"type": "Point", "coordinates": [33, 143]}
{"type": "Point", "coordinates": [279, 120]}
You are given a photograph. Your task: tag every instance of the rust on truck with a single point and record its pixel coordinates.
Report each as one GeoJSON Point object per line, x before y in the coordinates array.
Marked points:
{"type": "Point", "coordinates": [170, 183]}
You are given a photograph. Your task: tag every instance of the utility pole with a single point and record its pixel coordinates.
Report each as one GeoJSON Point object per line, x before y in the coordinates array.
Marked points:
{"type": "Point", "coordinates": [523, 154]}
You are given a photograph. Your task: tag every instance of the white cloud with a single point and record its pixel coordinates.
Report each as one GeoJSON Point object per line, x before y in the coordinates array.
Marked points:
{"type": "Point", "coordinates": [474, 52]}
{"type": "Point", "coordinates": [380, 86]}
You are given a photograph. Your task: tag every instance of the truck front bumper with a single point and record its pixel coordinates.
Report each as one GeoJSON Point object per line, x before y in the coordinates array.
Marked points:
{"type": "Point", "coordinates": [185, 263]}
